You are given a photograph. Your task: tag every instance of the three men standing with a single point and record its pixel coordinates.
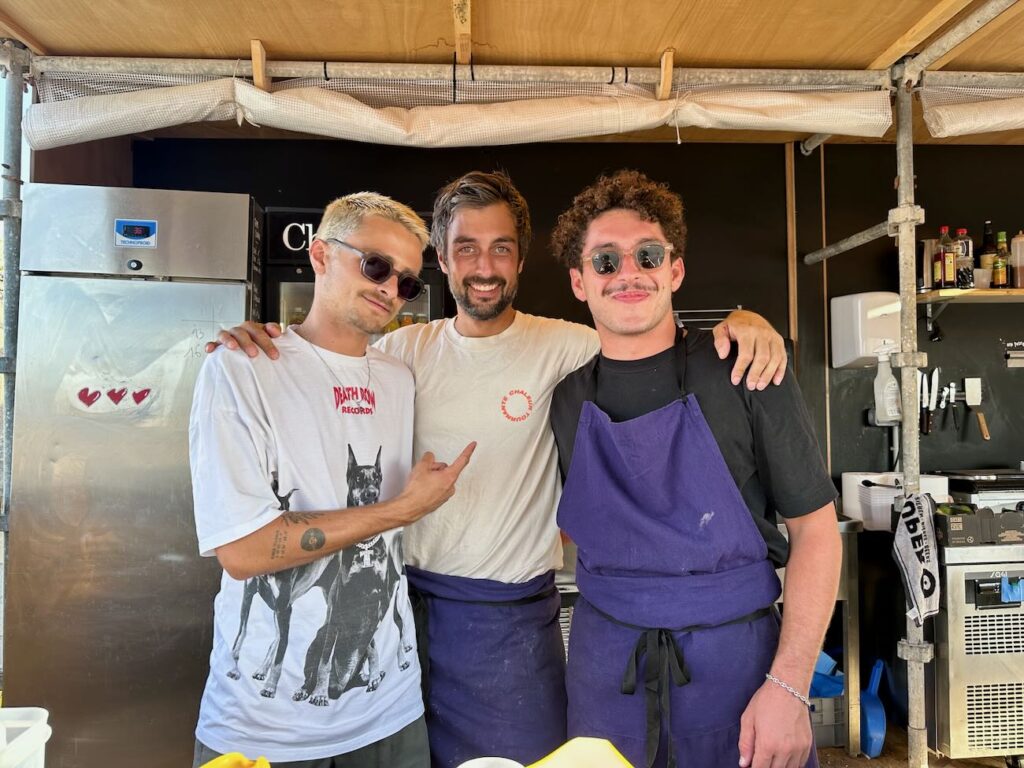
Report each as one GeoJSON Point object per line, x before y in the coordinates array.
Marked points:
{"type": "Point", "coordinates": [483, 563]}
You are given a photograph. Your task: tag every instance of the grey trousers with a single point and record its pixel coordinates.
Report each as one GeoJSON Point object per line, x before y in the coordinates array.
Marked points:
{"type": "Point", "coordinates": [406, 749]}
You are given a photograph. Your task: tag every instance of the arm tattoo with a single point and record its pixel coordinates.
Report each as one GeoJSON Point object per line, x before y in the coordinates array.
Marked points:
{"type": "Point", "coordinates": [298, 518]}
{"type": "Point", "coordinates": [277, 549]}
{"type": "Point", "coordinates": [313, 539]}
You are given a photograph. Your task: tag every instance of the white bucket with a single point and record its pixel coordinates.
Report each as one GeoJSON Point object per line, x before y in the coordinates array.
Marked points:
{"type": "Point", "coordinates": [23, 736]}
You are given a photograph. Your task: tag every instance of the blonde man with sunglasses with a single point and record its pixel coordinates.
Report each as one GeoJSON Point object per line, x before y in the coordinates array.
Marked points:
{"type": "Point", "coordinates": [303, 478]}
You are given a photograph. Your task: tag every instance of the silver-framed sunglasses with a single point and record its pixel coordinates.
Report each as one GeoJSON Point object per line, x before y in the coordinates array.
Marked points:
{"type": "Point", "coordinates": [377, 268]}
{"type": "Point", "coordinates": [607, 260]}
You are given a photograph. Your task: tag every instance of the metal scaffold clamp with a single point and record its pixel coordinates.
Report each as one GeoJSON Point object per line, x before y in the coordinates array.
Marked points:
{"type": "Point", "coordinates": [909, 360]}
{"type": "Point", "coordinates": [13, 53]}
{"type": "Point", "coordinates": [917, 653]}
{"type": "Point", "coordinates": [904, 214]}
{"type": "Point", "coordinates": [10, 209]}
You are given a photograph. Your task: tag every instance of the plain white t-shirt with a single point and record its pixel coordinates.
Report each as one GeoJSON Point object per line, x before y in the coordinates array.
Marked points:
{"type": "Point", "coordinates": [500, 524]}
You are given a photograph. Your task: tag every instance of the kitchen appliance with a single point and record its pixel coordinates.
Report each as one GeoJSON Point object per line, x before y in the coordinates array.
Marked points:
{"type": "Point", "coordinates": [289, 287]}
{"type": "Point", "coordinates": [975, 685]}
{"type": "Point", "coordinates": [994, 488]}
{"type": "Point", "coordinates": [109, 606]}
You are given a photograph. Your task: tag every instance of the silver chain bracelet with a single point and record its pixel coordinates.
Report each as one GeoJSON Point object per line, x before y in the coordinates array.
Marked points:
{"type": "Point", "coordinates": [788, 687]}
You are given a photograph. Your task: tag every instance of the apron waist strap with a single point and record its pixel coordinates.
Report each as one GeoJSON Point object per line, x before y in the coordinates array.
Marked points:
{"type": "Point", "coordinates": [666, 666]}
{"type": "Point", "coordinates": [481, 591]}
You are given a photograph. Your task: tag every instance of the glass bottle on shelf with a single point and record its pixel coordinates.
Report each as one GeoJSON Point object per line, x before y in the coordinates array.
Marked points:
{"type": "Point", "coordinates": [944, 276]}
{"type": "Point", "coordinates": [964, 259]}
{"type": "Point", "coordinates": [988, 248]}
{"type": "Point", "coordinates": [942, 253]}
{"type": "Point", "coordinates": [999, 262]}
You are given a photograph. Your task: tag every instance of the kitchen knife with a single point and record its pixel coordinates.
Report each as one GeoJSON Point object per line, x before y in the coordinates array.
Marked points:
{"type": "Point", "coordinates": [972, 396]}
{"type": "Point", "coordinates": [924, 403]}
{"type": "Point", "coordinates": [952, 406]}
{"type": "Point", "coordinates": [934, 397]}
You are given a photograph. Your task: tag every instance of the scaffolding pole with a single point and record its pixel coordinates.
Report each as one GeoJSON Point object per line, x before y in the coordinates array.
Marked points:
{"type": "Point", "coordinates": [821, 78]}
{"type": "Point", "coordinates": [14, 64]}
{"type": "Point", "coordinates": [951, 39]}
{"type": "Point", "coordinates": [914, 649]}
{"type": "Point", "coordinates": [994, 80]}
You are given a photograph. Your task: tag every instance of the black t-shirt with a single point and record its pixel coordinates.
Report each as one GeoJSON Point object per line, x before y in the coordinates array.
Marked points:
{"type": "Point", "coordinates": [765, 437]}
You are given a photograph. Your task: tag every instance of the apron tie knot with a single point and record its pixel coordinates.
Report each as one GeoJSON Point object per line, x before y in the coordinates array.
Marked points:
{"type": "Point", "coordinates": [665, 665]}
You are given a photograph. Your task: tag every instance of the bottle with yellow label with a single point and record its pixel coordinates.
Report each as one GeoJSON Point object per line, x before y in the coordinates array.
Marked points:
{"type": "Point", "coordinates": [999, 262]}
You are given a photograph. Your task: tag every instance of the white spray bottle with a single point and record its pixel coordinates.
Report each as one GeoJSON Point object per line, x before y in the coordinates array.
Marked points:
{"type": "Point", "coordinates": [888, 408]}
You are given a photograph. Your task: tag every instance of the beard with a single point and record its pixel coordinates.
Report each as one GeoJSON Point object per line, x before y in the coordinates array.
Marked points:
{"type": "Point", "coordinates": [481, 310]}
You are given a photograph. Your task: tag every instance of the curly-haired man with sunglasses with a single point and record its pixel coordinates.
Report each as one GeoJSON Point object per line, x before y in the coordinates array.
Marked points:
{"type": "Point", "coordinates": [303, 478]}
{"type": "Point", "coordinates": [483, 565]}
{"type": "Point", "coordinates": [672, 481]}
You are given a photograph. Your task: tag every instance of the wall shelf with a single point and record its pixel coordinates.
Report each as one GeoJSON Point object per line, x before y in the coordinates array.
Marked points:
{"type": "Point", "coordinates": [943, 297]}
{"type": "Point", "coordinates": [971, 295]}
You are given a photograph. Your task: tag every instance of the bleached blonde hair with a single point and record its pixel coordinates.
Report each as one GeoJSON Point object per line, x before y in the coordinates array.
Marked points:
{"type": "Point", "coordinates": [345, 215]}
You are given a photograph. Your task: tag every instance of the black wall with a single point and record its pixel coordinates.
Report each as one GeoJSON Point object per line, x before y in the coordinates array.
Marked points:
{"type": "Point", "coordinates": [735, 196]}
{"type": "Point", "coordinates": [959, 186]}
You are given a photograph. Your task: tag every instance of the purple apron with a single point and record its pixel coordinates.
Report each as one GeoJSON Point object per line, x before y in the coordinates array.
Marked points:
{"type": "Point", "coordinates": [676, 590]}
{"type": "Point", "coordinates": [493, 667]}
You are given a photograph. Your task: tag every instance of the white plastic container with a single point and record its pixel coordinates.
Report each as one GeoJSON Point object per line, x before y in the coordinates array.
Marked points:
{"type": "Point", "coordinates": [1016, 263]}
{"type": "Point", "coordinates": [23, 735]}
{"type": "Point", "coordinates": [873, 504]}
{"type": "Point", "coordinates": [862, 323]}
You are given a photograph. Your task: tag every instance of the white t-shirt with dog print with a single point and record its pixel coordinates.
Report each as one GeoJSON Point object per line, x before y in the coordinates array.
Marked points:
{"type": "Point", "coordinates": [318, 660]}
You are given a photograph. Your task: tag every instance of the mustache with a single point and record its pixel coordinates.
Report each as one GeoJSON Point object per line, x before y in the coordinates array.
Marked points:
{"type": "Point", "coordinates": [477, 281]}
{"type": "Point", "coordinates": [621, 287]}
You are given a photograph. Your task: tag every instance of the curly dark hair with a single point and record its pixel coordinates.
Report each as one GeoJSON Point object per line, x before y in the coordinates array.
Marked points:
{"type": "Point", "coordinates": [626, 189]}
{"type": "Point", "coordinates": [478, 189]}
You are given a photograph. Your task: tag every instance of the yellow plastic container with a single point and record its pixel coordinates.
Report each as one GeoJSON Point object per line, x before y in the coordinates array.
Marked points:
{"type": "Point", "coordinates": [237, 760]}
{"type": "Point", "coordinates": [584, 752]}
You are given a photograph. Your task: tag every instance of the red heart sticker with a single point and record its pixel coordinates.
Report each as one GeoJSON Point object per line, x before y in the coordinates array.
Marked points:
{"type": "Point", "coordinates": [88, 397]}
{"type": "Point", "coordinates": [139, 396]}
{"type": "Point", "coordinates": [117, 394]}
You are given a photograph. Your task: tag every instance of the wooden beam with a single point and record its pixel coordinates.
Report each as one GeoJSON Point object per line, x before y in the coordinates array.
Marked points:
{"type": "Point", "coordinates": [665, 84]}
{"type": "Point", "coordinates": [979, 37]}
{"type": "Point", "coordinates": [259, 66]}
{"type": "Point", "coordinates": [462, 15]}
{"type": "Point", "coordinates": [10, 28]}
{"type": "Point", "coordinates": [926, 26]}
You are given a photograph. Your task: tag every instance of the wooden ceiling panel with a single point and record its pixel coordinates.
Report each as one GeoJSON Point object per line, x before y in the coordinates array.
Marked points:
{"type": "Point", "coordinates": [705, 33]}
{"type": "Point", "coordinates": [996, 47]}
{"type": "Point", "coordinates": [729, 33]}
{"type": "Point", "coordinates": [366, 30]}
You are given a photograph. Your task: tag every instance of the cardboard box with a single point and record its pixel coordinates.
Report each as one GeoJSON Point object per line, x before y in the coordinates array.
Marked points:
{"type": "Point", "coordinates": [982, 528]}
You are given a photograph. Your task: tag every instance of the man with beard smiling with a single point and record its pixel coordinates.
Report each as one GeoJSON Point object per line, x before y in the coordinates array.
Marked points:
{"type": "Point", "coordinates": [484, 562]}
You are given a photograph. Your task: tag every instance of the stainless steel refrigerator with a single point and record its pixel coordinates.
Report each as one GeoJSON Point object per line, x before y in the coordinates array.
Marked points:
{"type": "Point", "coordinates": [109, 607]}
